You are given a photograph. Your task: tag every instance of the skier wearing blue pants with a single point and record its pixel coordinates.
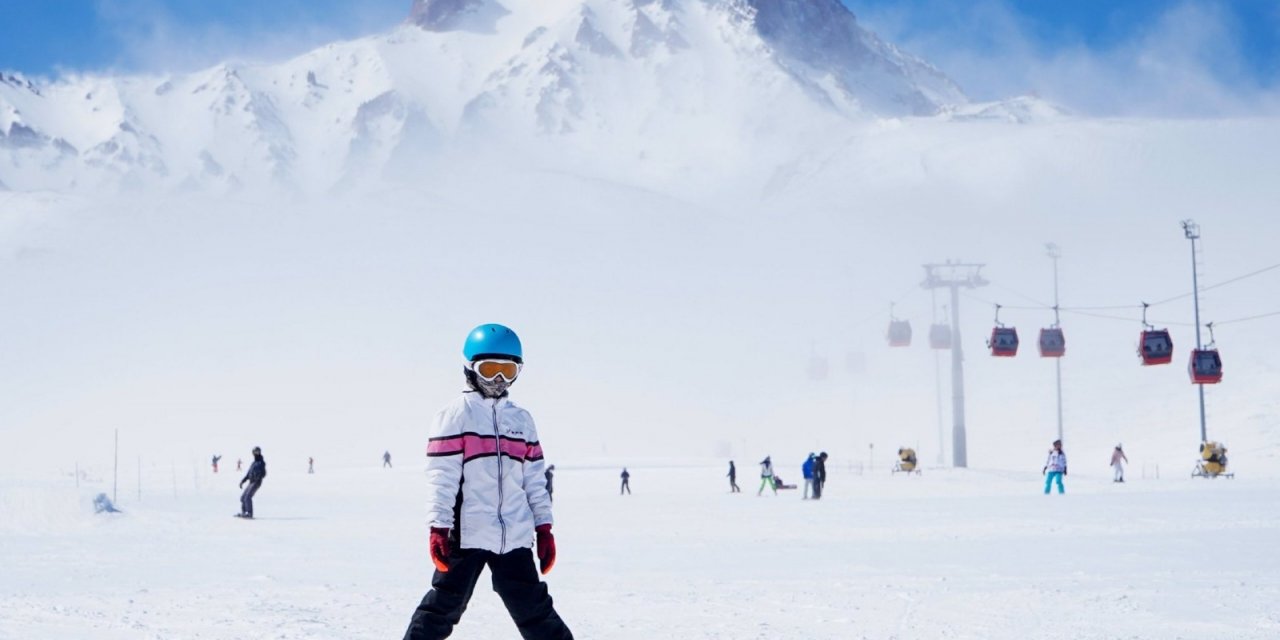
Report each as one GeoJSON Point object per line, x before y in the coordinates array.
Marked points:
{"type": "Point", "coordinates": [1055, 467]}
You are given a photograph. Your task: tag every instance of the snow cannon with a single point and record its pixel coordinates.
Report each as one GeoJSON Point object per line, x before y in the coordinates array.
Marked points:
{"type": "Point", "coordinates": [906, 461]}
{"type": "Point", "coordinates": [1212, 462]}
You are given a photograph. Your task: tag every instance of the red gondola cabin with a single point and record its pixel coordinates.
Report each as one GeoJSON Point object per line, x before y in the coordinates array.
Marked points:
{"type": "Point", "coordinates": [940, 336]}
{"type": "Point", "coordinates": [1004, 342]}
{"type": "Point", "coordinates": [899, 333]}
{"type": "Point", "coordinates": [1155, 347]}
{"type": "Point", "coordinates": [1052, 343]}
{"type": "Point", "coordinates": [1205, 366]}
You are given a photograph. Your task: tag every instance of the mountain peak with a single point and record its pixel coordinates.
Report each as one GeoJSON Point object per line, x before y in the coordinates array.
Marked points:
{"type": "Point", "coordinates": [441, 15]}
{"type": "Point", "coordinates": [871, 75]}
{"type": "Point", "coordinates": [630, 79]}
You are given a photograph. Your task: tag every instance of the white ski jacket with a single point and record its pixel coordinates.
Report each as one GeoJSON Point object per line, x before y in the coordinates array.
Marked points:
{"type": "Point", "coordinates": [486, 474]}
{"type": "Point", "coordinates": [1057, 461]}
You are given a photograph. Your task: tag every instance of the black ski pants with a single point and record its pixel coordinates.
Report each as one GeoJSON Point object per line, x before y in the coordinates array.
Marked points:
{"type": "Point", "coordinates": [817, 488]}
{"type": "Point", "coordinates": [514, 578]}
{"type": "Point", "coordinates": [246, 498]}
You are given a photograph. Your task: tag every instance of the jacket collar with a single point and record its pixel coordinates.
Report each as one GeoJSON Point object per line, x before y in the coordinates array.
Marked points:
{"type": "Point", "coordinates": [475, 397]}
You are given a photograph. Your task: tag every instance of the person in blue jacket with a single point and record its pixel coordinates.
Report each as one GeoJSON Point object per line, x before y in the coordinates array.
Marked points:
{"type": "Point", "coordinates": [807, 470]}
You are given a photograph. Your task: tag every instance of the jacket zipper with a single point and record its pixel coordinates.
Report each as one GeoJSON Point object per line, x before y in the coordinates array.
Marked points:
{"type": "Point", "coordinates": [497, 441]}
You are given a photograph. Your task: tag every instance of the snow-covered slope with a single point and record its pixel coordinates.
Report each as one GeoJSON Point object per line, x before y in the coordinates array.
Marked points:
{"type": "Point", "coordinates": [967, 556]}
{"type": "Point", "coordinates": [624, 78]}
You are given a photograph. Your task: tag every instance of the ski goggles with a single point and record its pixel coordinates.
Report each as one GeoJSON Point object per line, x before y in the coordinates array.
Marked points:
{"type": "Point", "coordinates": [491, 369]}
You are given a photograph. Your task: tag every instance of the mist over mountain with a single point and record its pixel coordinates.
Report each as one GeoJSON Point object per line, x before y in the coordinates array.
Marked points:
{"type": "Point", "coordinates": [627, 80]}
{"type": "Point", "coordinates": [714, 193]}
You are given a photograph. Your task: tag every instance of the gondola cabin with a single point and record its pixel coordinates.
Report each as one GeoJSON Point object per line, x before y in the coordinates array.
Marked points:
{"type": "Point", "coordinates": [1052, 343]}
{"type": "Point", "coordinates": [818, 368]}
{"type": "Point", "coordinates": [899, 333]}
{"type": "Point", "coordinates": [1004, 342]}
{"type": "Point", "coordinates": [940, 336]}
{"type": "Point", "coordinates": [1205, 366]}
{"type": "Point", "coordinates": [1155, 347]}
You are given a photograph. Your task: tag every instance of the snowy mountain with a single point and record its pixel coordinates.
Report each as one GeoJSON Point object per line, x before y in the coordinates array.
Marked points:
{"type": "Point", "coordinates": [630, 78]}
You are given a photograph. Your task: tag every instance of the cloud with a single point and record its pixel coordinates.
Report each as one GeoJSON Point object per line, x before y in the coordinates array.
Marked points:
{"type": "Point", "coordinates": [155, 36]}
{"type": "Point", "coordinates": [1187, 62]}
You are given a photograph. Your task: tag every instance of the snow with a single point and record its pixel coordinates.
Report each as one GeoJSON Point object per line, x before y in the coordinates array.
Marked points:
{"type": "Point", "coordinates": [583, 76]}
{"type": "Point", "coordinates": [949, 554]}
{"type": "Point", "coordinates": [287, 254]}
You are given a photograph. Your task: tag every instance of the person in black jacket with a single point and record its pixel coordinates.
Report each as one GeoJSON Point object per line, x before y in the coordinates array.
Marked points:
{"type": "Point", "coordinates": [550, 474]}
{"type": "Point", "coordinates": [257, 471]}
{"type": "Point", "coordinates": [733, 479]}
{"type": "Point", "coordinates": [819, 474]}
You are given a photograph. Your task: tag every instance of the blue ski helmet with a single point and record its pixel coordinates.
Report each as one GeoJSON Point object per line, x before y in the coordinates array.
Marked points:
{"type": "Point", "coordinates": [492, 341]}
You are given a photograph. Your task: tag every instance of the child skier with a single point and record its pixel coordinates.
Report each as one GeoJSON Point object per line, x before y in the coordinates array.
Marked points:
{"type": "Point", "coordinates": [489, 499]}
{"type": "Point", "coordinates": [1055, 467]}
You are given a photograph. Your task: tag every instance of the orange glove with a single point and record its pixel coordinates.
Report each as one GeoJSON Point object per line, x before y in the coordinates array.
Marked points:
{"type": "Point", "coordinates": [440, 548]}
{"type": "Point", "coordinates": [546, 548]}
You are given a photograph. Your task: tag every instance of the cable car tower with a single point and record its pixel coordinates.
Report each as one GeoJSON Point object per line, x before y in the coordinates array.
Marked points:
{"type": "Point", "coordinates": [1192, 231]}
{"type": "Point", "coordinates": [1052, 344]}
{"type": "Point", "coordinates": [954, 276]}
{"type": "Point", "coordinates": [939, 338]}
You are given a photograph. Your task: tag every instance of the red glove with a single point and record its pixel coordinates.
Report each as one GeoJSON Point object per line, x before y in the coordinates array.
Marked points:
{"type": "Point", "coordinates": [546, 548]}
{"type": "Point", "coordinates": [440, 548]}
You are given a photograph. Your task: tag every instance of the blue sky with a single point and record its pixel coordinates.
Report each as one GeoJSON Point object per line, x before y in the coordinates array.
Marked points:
{"type": "Point", "coordinates": [1098, 25]}
{"type": "Point", "coordinates": [1213, 53]}
{"type": "Point", "coordinates": [43, 37]}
